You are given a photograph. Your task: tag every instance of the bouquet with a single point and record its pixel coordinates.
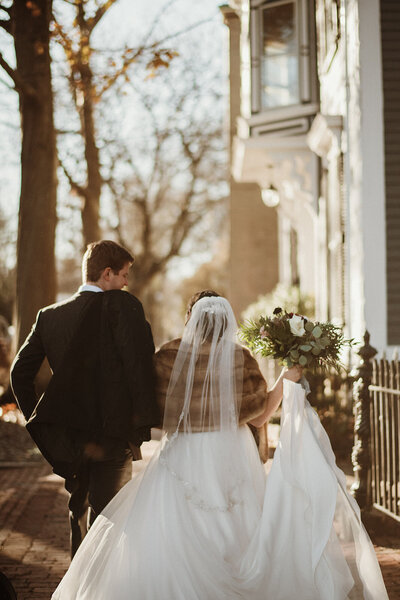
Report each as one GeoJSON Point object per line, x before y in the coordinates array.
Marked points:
{"type": "Point", "coordinates": [293, 339]}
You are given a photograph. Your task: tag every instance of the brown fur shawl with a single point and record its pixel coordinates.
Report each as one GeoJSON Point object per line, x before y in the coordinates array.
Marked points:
{"type": "Point", "coordinates": [254, 393]}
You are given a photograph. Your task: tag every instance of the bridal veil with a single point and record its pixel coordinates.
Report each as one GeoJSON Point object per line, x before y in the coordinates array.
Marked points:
{"type": "Point", "coordinates": [203, 522]}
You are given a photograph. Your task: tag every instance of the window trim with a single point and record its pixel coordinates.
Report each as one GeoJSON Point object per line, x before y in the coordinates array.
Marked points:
{"type": "Point", "coordinates": [329, 33]}
{"type": "Point", "coordinates": [304, 54]}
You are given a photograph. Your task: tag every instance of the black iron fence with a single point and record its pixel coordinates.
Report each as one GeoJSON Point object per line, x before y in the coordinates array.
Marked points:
{"type": "Point", "coordinates": [376, 452]}
{"type": "Point", "coordinates": [385, 435]}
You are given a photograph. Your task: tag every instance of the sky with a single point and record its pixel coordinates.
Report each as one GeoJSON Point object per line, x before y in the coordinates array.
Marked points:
{"type": "Point", "coordinates": [125, 23]}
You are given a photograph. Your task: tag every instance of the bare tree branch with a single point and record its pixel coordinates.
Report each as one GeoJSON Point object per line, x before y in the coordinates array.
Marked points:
{"type": "Point", "coordinates": [185, 30]}
{"type": "Point", "coordinates": [81, 19]}
{"type": "Point", "coordinates": [133, 165]}
{"type": "Point", "coordinates": [128, 60]}
{"type": "Point", "coordinates": [10, 87]}
{"type": "Point", "coordinates": [68, 132]}
{"type": "Point", "coordinates": [101, 11]}
{"type": "Point", "coordinates": [158, 201]}
{"type": "Point", "coordinates": [20, 85]}
{"type": "Point", "coordinates": [67, 42]}
{"type": "Point", "coordinates": [9, 70]}
{"type": "Point", "coordinates": [160, 263]}
{"type": "Point", "coordinates": [6, 9]}
{"type": "Point", "coordinates": [71, 57]}
{"type": "Point", "coordinates": [79, 189]}
{"type": "Point", "coordinates": [156, 20]}
{"type": "Point", "coordinates": [117, 205]}
{"type": "Point", "coordinates": [6, 25]}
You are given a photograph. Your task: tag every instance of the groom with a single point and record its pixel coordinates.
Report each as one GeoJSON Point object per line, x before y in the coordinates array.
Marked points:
{"type": "Point", "coordinates": [99, 405]}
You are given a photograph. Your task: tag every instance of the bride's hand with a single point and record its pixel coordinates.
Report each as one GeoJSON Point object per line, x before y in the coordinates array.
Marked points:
{"type": "Point", "coordinates": [294, 373]}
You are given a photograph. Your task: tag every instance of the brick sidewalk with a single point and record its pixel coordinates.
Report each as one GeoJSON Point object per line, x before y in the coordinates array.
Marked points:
{"type": "Point", "coordinates": [389, 560]}
{"type": "Point", "coordinates": [34, 530]}
{"type": "Point", "coordinates": [34, 533]}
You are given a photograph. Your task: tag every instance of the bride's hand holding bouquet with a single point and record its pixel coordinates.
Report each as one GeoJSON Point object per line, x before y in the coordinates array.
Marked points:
{"type": "Point", "coordinates": [297, 343]}
{"type": "Point", "coordinates": [293, 339]}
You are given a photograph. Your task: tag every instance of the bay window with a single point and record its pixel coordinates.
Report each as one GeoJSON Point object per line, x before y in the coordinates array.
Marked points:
{"type": "Point", "coordinates": [282, 69]}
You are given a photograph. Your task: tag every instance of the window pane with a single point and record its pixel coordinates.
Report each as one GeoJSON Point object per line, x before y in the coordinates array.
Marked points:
{"type": "Point", "coordinates": [280, 61]}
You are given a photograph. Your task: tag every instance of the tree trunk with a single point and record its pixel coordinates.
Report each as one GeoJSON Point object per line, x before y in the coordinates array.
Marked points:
{"type": "Point", "coordinates": [36, 272]}
{"type": "Point", "coordinates": [91, 208]}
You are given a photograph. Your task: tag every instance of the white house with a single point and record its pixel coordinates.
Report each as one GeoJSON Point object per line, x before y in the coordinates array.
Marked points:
{"type": "Point", "coordinates": [315, 122]}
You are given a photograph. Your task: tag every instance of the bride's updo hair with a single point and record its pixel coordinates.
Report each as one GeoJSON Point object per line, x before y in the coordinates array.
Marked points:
{"type": "Point", "coordinates": [195, 298]}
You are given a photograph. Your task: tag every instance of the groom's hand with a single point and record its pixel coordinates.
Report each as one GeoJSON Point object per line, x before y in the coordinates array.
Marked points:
{"type": "Point", "coordinates": [93, 451]}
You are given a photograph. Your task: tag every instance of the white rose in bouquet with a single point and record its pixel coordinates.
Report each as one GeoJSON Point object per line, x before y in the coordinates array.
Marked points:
{"type": "Point", "coordinates": [297, 325]}
{"type": "Point", "coordinates": [293, 339]}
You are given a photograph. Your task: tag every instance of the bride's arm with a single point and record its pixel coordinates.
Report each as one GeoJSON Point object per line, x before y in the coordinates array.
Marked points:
{"type": "Point", "coordinates": [274, 397]}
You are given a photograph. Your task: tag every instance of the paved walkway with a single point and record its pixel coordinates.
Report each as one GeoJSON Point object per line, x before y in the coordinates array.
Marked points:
{"type": "Point", "coordinates": [34, 536]}
{"type": "Point", "coordinates": [34, 533]}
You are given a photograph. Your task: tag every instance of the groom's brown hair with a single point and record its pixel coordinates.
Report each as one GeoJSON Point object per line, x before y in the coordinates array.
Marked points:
{"type": "Point", "coordinates": [102, 254]}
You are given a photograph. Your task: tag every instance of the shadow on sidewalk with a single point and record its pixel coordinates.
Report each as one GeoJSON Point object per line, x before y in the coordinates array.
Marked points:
{"type": "Point", "coordinates": [45, 518]}
{"type": "Point", "coordinates": [7, 591]}
{"type": "Point", "coordinates": [30, 581]}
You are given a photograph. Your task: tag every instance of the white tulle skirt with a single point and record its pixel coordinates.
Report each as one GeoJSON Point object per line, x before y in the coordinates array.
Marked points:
{"type": "Point", "coordinates": [203, 522]}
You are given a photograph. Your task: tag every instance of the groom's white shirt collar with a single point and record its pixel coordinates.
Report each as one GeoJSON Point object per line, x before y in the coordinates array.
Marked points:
{"type": "Point", "coordinates": [87, 287]}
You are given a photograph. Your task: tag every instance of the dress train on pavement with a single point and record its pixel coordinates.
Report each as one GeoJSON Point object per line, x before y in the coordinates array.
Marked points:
{"type": "Point", "coordinates": [171, 533]}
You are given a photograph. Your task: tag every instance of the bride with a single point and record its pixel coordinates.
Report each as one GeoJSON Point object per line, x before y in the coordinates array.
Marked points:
{"type": "Point", "coordinates": [203, 522]}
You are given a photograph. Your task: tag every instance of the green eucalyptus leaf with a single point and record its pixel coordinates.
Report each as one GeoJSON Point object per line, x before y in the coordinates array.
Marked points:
{"type": "Point", "coordinates": [317, 332]}
{"type": "Point", "coordinates": [288, 362]}
{"type": "Point", "coordinates": [316, 351]}
{"type": "Point", "coordinates": [305, 347]}
{"type": "Point", "coordinates": [302, 360]}
{"type": "Point", "coordinates": [309, 326]}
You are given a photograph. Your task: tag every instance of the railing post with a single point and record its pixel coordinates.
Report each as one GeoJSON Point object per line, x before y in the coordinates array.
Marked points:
{"type": "Point", "coordinates": [361, 455]}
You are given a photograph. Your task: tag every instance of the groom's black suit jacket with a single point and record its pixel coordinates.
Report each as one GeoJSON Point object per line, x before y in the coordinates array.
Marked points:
{"type": "Point", "coordinates": [99, 347]}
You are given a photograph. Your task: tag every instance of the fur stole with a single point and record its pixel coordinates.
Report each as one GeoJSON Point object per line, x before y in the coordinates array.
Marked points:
{"type": "Point", "coordinates": [254, 391]}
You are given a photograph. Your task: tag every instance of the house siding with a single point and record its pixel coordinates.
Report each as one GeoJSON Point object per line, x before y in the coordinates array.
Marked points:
{"type": "Point", "coordinates": [390, 34]}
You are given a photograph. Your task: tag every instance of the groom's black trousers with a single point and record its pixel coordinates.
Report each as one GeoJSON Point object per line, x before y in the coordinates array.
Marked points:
{"type": "Point", "coordinates": [95, 484]}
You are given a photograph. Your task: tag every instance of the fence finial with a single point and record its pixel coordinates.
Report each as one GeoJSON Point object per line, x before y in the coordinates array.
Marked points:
{"type": "Point", "coordinates": [361, 456]}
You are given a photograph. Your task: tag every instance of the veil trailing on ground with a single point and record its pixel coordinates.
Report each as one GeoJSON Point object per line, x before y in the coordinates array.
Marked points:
{"type": "Point", "coordinates": [204, 395]}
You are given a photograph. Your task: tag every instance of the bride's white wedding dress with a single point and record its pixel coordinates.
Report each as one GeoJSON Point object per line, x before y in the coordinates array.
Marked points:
{"type": "Point", "coordinates": [203, 522]}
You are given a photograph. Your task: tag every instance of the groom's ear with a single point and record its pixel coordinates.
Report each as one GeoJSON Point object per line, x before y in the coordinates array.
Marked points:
{"type": "Point", "coordinates": [106, 274]}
